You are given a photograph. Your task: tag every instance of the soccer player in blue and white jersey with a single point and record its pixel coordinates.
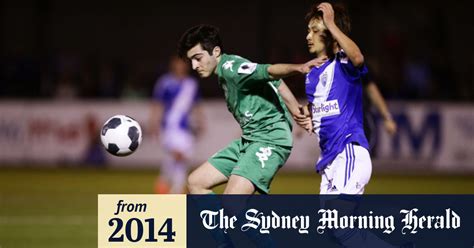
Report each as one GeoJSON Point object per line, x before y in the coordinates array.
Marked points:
{"type": "Point", "coordinates": [175, 97]}
{"type": "Point", "coordinates": [334, 92]}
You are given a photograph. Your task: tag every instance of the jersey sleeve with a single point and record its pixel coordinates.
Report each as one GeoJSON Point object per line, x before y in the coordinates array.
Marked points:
{"type": "Point", "coordinates": [246, 74]}
{"type": "Point", "coordinates": [352, 72]}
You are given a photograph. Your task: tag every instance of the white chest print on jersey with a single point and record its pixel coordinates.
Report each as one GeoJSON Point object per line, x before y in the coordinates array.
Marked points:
{"type": "Point", "coordinates": [328, 108]}
{"type": "Point", "coordinates": [321, 106]}
{"type": "Point", "coordinates": [263, 155]}
{"type": "Point", "coordinates": [228, 65]}
{"type": "Point", "coordinates": [323, 87]}
{"type": "Point", "coordinates": [246, 118]}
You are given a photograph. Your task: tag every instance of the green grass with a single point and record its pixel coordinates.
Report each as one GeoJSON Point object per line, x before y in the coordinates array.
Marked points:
{"type": "Point", "coordinates": [58, 207]}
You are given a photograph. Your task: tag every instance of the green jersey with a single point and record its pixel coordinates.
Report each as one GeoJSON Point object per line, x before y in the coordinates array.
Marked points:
{"type": "Point", "coordinates": [253, 99]}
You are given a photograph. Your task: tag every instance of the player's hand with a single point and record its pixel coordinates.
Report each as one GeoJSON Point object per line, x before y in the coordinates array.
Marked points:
{"type": "Point", "coordinates": [390, 126]}
{"type": "Point", "coordinates": [328, 14]}
{"type": "Point", "coordinates": [317, 62]}
{"type": "Point", "coordinates": [304, 119]}
{"type": "Point", "coordinates": [304, 122]}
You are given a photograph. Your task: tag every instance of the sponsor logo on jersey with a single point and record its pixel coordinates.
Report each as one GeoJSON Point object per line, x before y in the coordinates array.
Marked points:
{"type": "Point", "coordinates": [228, 65]}
{"type": "Point", "coordinates": [324, 109]}
{"type": "Point", "coordinates": [247, 68]}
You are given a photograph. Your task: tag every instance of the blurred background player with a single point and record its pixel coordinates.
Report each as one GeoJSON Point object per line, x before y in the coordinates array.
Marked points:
{"type": "Point", "coordinates": [372, 98]}
{"type": "Point", "coordinates": [175, 102]}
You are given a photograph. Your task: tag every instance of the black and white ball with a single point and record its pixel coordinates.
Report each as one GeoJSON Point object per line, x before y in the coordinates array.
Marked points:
{"type": "Point", "coordinates": [121, 135]}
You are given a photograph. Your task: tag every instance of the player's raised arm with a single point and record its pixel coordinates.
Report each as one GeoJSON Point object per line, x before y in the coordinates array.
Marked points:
{"type": "Point", "coordinates": [349, 46]}
{"type": "Point", "coordinates": [277, 71]}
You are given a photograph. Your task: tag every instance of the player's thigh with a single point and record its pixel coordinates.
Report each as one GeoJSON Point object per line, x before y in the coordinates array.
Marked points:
{"type": "Point", "coordinates": [348, 173]}
{"type": "Point", "coordinates": [361, 170]}
{"type": "Point", "coordinates": [239, 185]}
{"type": "Point", "coordinates": [260, 162]}
{"type": "Point", "coordinates": [181, 142]}
{"type": "Point", "coordinates": [206, 176]}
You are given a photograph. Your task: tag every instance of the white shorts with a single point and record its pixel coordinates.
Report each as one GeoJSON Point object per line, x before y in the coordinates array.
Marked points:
{"type": "Point", "coordinates": [348, 173]}
{"type": "Point", "coordinates": [178, 140]}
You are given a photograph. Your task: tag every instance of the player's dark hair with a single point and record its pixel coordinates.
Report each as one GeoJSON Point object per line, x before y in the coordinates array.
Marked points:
{"type": "Point", "coordinates": [206, 35]}
{"type": "Point", "coordinates": [341, 18]}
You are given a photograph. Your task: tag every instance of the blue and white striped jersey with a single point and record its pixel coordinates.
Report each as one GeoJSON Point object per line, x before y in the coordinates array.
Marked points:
{"type": "Point", "coordinates": [334, 91]}
{"type": "Point", "coordinates": [178, 98]}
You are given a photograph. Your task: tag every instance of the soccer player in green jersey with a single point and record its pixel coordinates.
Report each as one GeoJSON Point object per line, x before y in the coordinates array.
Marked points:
{"type": "Point", "coordinates": [256, 97]}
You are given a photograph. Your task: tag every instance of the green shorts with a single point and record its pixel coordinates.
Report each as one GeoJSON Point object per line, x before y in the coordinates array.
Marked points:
{"type": "Point", "coordinates": [254, 160]}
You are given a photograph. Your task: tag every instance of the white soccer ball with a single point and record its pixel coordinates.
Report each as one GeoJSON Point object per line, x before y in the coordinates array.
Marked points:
{"type": "Point", "coordinates": [121, 135]}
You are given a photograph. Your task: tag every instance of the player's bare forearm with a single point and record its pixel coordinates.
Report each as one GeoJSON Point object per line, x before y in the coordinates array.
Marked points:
{"type": "Point", "coordinates": [349, 46]}
{"type": "Point", "coordinates": [377, 100]}
{"type": "Point", "coordinates": [278, 71]}
{"type": "Point", "coordinates": [289, 99]}
{"type": "Point", "coordinates": [295, 108]}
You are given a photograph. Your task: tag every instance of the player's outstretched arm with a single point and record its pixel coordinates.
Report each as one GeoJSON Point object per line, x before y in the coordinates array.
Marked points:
{"type": "Point", "coordinates": [378, 101]}
{"type": "Point", "coordinates": [349, 46]}
{"type": "Point", "coordinates": [289, 99]}
{"type": "Point", "coordinates": [277, 71]}
{"type": "Point", "coordinates": [294, 107]}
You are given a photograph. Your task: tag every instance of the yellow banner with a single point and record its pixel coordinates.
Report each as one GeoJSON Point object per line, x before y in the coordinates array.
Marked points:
{"type": "Point", "coordinates": [141, 221]}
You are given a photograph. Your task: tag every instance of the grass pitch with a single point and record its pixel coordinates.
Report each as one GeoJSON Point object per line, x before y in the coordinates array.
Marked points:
{"type": "Point", "coordinates": [58, 207]}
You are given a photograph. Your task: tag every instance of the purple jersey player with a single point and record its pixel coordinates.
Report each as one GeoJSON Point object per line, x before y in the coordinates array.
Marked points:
{"type": "Point", "coordinates": [334, 93]}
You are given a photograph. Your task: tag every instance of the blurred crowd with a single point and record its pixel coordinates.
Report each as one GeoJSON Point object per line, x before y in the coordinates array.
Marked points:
{"type": "Point", "coordinates": [72, 76]}
{"type": "Point", "coordinates": [89, 50]}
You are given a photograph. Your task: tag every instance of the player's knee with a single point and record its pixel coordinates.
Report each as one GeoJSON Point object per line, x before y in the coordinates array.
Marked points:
{"type": "Point", "coordinates": [195, 184]}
